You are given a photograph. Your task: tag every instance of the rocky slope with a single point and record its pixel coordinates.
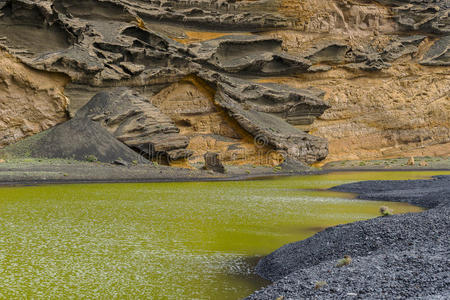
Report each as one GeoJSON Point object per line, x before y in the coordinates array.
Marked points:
{"type": "Point", "coordinates": [256, 81]}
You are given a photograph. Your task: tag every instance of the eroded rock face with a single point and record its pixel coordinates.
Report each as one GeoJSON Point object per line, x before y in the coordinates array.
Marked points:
{"type": "Point", "coordinates": [30, 101]}
{"type": "Point", "coordinates": [296, 106]}
{"type": "Point", "coordinates": [370, 77]}
{"type": "Point", "coordinates": [208, 126]}
{"type": "Point", "coordinates": [274, 131]}
{"type": "Point", "coordinates": [134, 121]}
{"type": "Point", "coordinates": [204, 13]}
{"type": "Point", "coordinates": [263, 56]}
{"type": "Point", "coordinates": [264, 110]}
{"type": "Point", "coordinates": [110, 42]}
{"type": "Point", "coordinates": [403, 113]}
{"type": "Point", "coordinates": [246, 122]}
{"type": "Point", "coordinates": [31, 29]}
{"type": "Point", "coordinates": [439, 53]}
{"type": "Point", "coordinates": [384, 71]}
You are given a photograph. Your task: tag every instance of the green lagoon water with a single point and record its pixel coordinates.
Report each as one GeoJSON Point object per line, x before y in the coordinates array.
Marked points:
{"type": "Point", "coordinates": [191, 240]}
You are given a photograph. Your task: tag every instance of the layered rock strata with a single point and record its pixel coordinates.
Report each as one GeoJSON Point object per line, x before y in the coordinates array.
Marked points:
{"type": "Point", "coordinates": [384, 69]}
{"type": "Point", "coordinates": [121, 118]}
{"type": "Point", "coordinates": [134, 121]}
{"type": "Point", "coordinates": [30, 101]}
{"type": "Point", "coordinates": [379, 69]}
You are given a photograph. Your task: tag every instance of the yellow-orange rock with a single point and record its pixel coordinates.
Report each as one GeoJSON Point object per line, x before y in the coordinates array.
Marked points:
{"type": "Point", "coordinates": [423, 163]}
{"type": "Point", "coordinates": [190, 104]}
{"type": "Point", "coordinates": [402, 111]}
{"type": "Point", "coordinates": [30, 101]}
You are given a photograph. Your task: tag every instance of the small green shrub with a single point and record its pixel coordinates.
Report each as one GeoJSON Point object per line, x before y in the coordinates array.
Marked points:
{"type": "Point", "coordinates": [344, 261]}
{"type": "Point", "coordinates": [385, 211]}
{"type": "Point", "coordinates": [91, 158]}
{"type": "Point", "coordinates": [320, 284]}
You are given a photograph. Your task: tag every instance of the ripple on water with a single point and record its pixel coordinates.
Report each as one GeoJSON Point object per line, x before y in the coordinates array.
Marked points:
{"type": "Point", "coordinates": [171, 240]}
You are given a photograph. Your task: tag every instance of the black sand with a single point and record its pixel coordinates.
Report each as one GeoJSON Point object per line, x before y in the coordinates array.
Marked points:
{"type": "Point", "coordinates": [393, 257]}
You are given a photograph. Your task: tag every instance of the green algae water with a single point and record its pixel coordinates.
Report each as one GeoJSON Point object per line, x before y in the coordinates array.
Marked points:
{"type": "Point", "coordinates": [186, 240]}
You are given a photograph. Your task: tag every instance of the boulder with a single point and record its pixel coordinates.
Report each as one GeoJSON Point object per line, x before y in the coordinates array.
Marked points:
{"type": "Point", "coordinates": [212, 162]}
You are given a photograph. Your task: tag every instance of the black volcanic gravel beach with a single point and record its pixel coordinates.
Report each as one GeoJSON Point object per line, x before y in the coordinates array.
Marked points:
{"type": "Point", "coordinates": [393, 257]}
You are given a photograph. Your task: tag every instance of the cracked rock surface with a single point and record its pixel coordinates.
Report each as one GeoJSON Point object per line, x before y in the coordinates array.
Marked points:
{"type": "Point", "coordinates": [137, 123]}
{"type": "Point", "coordinates": [312, 71]}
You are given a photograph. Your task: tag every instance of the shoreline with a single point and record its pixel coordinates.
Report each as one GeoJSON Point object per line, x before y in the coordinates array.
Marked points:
{"type": "Point", "coordinates": [151, 180]}
{"type": "Point", "coordinates": [398, 256]}
{"type": "Point", "coordinates": [86, 173]}
{"type": "Point", "coordinates": [163, 179]}
{"type": "Point", "coordinates": [296, 269]}
{"type": "Point", "coordinates": [195, 179]}
{"type": "Point", "coordinates": [39, 172]}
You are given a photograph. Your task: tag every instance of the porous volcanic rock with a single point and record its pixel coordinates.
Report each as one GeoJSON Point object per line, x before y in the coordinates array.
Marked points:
{"type": "Point", "coordinates": [269, 129]}
{"type": "Point", "coordinates": [263, 56]}
{"type": "Point", "coordinates": [212, 162]}
{"type": "Point", "coordinates": [30, 101]}
{"type": "Point", "coordinates": [137, 123]}
{"type": "Point", "coordinates": [382, 67]}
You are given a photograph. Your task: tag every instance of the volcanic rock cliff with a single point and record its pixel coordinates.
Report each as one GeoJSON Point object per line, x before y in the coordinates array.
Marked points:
{"type": "Point", "coordinates": [256, 81]}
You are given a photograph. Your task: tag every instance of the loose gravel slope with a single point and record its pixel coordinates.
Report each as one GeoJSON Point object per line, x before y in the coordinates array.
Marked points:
{"type": "Point", "coordinates": [394, 257]}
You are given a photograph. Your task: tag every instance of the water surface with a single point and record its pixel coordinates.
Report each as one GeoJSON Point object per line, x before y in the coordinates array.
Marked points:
{"type": "Point", "coordinates": [164, 240]}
